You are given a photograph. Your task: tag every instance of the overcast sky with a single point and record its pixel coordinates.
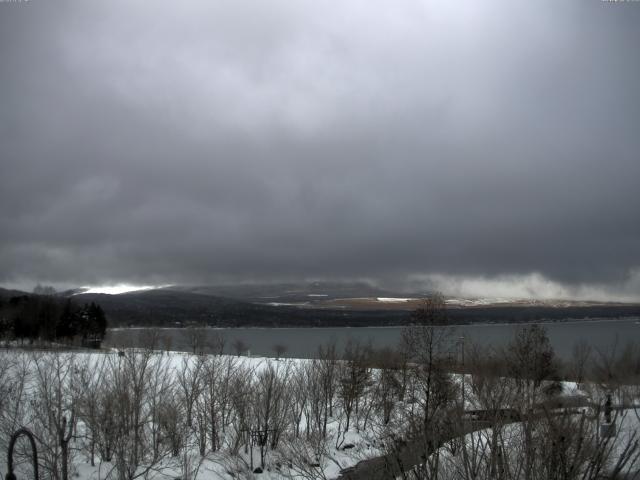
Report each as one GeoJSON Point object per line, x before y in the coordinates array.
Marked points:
{"type": "Point", "coordinates": [485, 148]}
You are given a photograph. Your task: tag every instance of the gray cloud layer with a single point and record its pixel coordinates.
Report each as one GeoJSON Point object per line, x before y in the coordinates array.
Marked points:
{"type": "Point", "coordinates": [196, 141]}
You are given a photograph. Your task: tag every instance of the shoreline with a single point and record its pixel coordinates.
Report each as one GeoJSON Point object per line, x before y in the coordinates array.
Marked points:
{"type": "Point", "coordinates": [568, 321]}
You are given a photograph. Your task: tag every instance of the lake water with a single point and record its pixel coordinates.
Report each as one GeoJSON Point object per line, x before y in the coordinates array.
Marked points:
{"type": "Point", "coordinates": [304, 342]}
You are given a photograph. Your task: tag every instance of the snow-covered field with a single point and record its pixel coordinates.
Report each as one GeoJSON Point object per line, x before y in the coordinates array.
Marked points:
{"type": "Point", "coordinates": [28, 376]}
{"type": "Point", "coordinates": [169, 415]}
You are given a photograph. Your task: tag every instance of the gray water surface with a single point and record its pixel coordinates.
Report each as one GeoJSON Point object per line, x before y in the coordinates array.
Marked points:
{"type": "Point", "coordinates": [304, 342]}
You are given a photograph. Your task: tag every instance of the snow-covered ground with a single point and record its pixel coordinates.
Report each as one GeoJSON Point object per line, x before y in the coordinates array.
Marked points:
{"type": "Point", "coordinates": [214, 465]}
{"type": "Point", "coordinates": [299, 451]}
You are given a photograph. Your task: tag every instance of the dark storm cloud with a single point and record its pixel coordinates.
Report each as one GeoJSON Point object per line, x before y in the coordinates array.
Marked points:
{"type": "Point", "coordinates": [197, 141]}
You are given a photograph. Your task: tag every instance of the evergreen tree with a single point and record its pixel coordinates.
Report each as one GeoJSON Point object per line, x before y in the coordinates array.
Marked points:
{"type": "Point", "coordinates": [100, 320]}
{"type": "Point", "coordinates": [24, 318]}
{"type": "Point", "coordinates": [96, 322]}
{"type": "Point", "coordinates": [68, 323]}
{"type": "Point", "coordinates": [50, 318]}
{"type": "Point", "coordinates": [48, 311]}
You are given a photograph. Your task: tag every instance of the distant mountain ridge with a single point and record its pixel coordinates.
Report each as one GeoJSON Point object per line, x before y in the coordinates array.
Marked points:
{"type": "Point", "coordinates": [291, 291]}
{"type": "Point", "coordinates": [8, 293]}
{"type": "Point", "coordinates": [315, 304]}
{"type": "Point", "coordinates": [322, 304]}
{"type": "Point", "coordinates": [166, 307]}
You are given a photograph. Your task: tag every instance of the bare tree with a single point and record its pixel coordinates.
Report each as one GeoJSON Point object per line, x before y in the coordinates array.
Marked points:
{"type": "Point", "coordinates": [316, 408]}
{"type": "Point", "coordinates": [91, 374]}
{"type": "Point", "coordinates": [14, 382]}
{"type": "Point", "coordinates": [54, 409]}
{"type": "Point", "coordinates": [172, 427]}
{"type": "Point", "coordinates": [579, 364]}
{"type": "Point", "coordinates": [167, 343]}
{"type": "Point", "coordinates": [531, 361]}
{"type": "Point", "coordinates": [428, 343]}
{"type": "Point", "coordinates": [299, 395]}
{"type": "Point", "coordinates": [307, 458]}
{"type": "Point", "coordinates": [216, 399]}
{"type": "Point", "coordinates": [241, 395]}
{"type": "Point", "coordinates": [387, 384]}
{"type": "Point", "coordinates": [189, 380]}
{"type": "Point", "coordinates": [197, 338]}
{"type": "Point", "coordinates": [160, 387]}
{"type": "Point", "coordinates": [136, 391]}
{"type": "Point", "coordinates": [270, 406]}
{"type": "Point", "coordinates": [279, 349]}
{"type": "Point", "coordinates": [151, 339]}
{"type": "Point", "coordinates": [354, 378]}
{"type": "Point", "coordinates": [216, 342]}
{"type": "Point", "coordinates": [106, 426]}
{"type": "Point", "coordinates": [240, 347]}
{"type": "Point", "coordinates": [328, 364]}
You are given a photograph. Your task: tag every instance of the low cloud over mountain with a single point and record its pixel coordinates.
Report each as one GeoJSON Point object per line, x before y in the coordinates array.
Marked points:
{"type": "Point", "coordinates": [485, 147]}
